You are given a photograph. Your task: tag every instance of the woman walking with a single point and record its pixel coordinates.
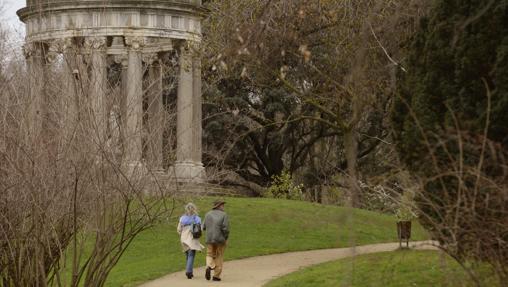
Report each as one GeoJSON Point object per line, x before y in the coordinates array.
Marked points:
{"type": "Point", "coordinates": [189, 243]}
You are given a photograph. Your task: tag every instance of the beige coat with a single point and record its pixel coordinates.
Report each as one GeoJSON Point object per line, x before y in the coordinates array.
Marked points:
{"type": "Point", "coordinates": [188, 242]}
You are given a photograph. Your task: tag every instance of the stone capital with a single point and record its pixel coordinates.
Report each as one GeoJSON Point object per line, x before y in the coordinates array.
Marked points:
{"type": "Point", "coordinates": [135, 43]}
{"type": "Point", "coordinates": [67, 44]}
{"type": "Point", "coordinates": [95, 43]}
{"type": "Point", "coordinates": [121, 59]}
{"type": "Point", "coordinates": [184, 47]}
{"type": "Point", "coordinates": [29, 49]}
{"type": "Point", "coordinates": [56, 47]}
{"type": "Point", "coordinates": [185, 57]}
{"type": "Point", "coordinates": [193, 45]}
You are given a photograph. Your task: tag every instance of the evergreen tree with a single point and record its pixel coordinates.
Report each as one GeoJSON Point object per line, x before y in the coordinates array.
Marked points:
{"type": "Point", "coordinates": [458, 63]}
{"type": "Point", "coordinates": [459, 55]}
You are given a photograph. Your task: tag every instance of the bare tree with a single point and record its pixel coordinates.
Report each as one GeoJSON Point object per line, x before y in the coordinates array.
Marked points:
{"type": "Point", "coordinates": [338, 57]}
{"type": "Point", "coordinates": [63, 183]}
{"type": "Point", "coordinates": [463, 201]}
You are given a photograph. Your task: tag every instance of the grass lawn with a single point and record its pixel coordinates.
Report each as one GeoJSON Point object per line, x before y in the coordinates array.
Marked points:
{"type": "Point", "coordinates": [258, 226]}
{"type": "Point", "coordinates": [388, 269]}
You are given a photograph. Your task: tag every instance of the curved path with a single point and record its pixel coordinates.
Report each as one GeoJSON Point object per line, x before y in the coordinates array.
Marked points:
{"type": "Point", "coordinates": [256, 271]}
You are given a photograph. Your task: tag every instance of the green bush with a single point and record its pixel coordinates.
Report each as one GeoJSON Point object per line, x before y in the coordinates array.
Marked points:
{"type": "Point", "coordinates": [283, 187]}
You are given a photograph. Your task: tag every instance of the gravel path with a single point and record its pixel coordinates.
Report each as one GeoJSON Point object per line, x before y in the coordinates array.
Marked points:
{"type": "Point", "coordinates": [256, 271]}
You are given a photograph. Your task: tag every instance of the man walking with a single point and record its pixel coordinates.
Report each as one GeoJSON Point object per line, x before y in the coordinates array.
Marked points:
{"type": "Point", "coordinates": [216, 224]}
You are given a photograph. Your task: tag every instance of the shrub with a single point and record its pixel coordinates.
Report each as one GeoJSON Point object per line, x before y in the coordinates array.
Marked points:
{"type": "Point", "coordinates": [283, 187]}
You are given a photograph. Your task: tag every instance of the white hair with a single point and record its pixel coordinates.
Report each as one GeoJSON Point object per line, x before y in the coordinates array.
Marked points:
{"type": "Point", "coordinates": [191, 209]}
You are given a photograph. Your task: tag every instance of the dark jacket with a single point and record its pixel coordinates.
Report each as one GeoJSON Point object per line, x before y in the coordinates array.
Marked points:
{"type": "Point", "coordinates": [216, 224]}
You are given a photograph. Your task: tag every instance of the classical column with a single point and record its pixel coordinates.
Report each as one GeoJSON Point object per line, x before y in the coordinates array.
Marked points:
{"type": "Point", "coordinates": [123, 61]}
{"type": "Point", "coordinates": [184, 163]}
{"type": "Point", "coordinates": [184, 108]}
{"type": "Point", "coordinates": [119, 110]}
{"type": "Point", "coordinates": [70, 98]}
{"type": "Point", "coordinates": [35, 58]}
{"type": "Point", "coordinates": [134, 103]}
{"type": "Point", "coordinates": [82, 82]}
{"type": "Point", "coordinates": [98, 88]}
{"type": "Point", "coordinates": [155, 112]}
{"type": "Point", "coordinates": [197, 134]}
{"type": "Point", "coordinates": [188, 166]}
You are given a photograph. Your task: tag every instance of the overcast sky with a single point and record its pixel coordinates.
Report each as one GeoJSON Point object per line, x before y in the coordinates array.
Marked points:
{"type": "Point", "coordinates": [9, 12]}
{"type": "Point", "coordinates": [9, 22]}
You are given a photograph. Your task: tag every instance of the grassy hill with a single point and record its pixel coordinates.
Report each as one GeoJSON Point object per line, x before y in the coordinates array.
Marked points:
{"type": "Point", "coordinates": [386, 269]}
{"type": "Point", "coordinates": [258, 226]}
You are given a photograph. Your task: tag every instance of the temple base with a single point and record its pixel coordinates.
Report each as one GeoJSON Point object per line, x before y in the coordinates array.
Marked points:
{"type": "Point", "coordinates": [135, 169]}
{"type": "Point", "coordinates": [188, 172]}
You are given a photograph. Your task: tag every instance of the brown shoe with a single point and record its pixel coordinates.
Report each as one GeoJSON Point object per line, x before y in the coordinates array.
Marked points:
{"type": "Point", "coordinates": [216, 279]}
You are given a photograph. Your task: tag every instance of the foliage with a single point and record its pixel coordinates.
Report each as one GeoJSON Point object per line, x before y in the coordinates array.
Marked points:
{"type": "Point", "coordinates": [451, 71]}
{"type": "Point", "coordinates": [283, 186]}
{"type": "Point", "coordinates": [406, 210]}
{"type": "Point", "coordinates": [395, 199]}
{"type": "Point", "coordinates": [400, 268]}
{"type": "Point", "coordinates": [326, 56]}
{"type": "Point", "coordinates": [450, 122]}
{"type": "Point", "coordinates": [253, 130]}
{"type": "Point", "coordinates": [379, 198]}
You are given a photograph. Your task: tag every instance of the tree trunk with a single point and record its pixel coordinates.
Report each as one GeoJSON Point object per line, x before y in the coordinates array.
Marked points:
{"type": "Point", "coordinates": [351, 148]}
{"type": "Point", "coordinates": [317, 159]}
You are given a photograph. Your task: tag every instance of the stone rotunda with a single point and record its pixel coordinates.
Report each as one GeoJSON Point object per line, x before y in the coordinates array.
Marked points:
{"type": "Point", "coordinates": [134, 40]}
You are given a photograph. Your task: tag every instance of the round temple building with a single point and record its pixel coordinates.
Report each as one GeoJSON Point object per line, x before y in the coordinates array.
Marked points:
{"type": "Point", "coordinates": [134, 63]}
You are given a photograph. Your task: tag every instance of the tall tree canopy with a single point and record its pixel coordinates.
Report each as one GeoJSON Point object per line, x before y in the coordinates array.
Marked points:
{"type": "Point", "coordinates": [451, 124]}
{"type": "Point", "coordinates": [329, 59]}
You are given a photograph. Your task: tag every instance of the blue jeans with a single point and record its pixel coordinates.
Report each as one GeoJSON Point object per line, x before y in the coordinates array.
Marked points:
{"type": "Point", "coordinates": [191, 254]}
